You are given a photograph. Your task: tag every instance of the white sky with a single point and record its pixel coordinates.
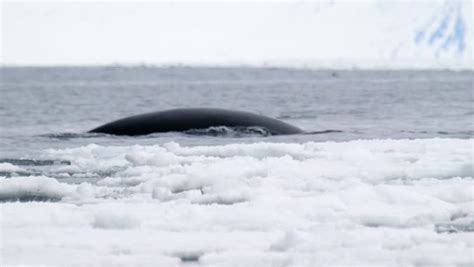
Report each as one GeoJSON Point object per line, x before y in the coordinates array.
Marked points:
{"type": "Point", "coordinates": [200, 32]}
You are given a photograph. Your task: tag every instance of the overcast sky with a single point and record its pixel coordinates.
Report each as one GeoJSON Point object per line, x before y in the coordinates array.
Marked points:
{"type": "Point", "coordinates": [204, 33]}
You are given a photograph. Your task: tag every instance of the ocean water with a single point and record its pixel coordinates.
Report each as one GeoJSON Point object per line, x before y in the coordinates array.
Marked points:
{"type": "Point", "coordinates": [52, 107]}
{"type": "Point", "coordinates": [390, 183]}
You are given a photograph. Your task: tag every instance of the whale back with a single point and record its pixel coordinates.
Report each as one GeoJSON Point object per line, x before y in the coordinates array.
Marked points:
{"type": "Point", "coordinates": [180, 120]}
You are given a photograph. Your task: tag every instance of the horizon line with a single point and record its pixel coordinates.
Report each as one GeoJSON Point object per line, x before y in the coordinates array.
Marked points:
{"type": "Point", "coordinates": [309, 67]}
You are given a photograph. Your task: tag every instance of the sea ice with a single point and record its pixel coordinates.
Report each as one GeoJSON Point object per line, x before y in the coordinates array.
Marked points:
{"type": "Point", "coordinates": [378, 202]}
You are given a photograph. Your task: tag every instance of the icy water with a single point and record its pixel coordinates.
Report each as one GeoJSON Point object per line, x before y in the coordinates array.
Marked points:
{"type": "Point", "coordinates": [53, 107]}
{"type": "Point", "coordinates": [391, 185]}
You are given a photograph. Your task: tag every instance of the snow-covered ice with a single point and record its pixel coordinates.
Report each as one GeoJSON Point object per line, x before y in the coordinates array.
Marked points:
{"type": "Point", "coordinates": [363, 202]}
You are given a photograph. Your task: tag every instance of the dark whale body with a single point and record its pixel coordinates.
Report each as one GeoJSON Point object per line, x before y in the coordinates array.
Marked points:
{"type": "Point", "coordinates": [182, 120]}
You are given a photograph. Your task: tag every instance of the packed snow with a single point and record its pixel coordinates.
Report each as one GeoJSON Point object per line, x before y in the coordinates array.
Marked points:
{"type": "Point", "coordinates": [377, 202]}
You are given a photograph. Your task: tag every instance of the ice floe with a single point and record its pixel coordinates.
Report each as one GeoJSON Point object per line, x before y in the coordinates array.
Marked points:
{"type": "Point", "coordinates": [379, 202]}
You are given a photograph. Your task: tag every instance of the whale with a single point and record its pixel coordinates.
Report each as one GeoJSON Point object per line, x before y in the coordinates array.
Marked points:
{"type": "Point", "coordinates": [188, 119]}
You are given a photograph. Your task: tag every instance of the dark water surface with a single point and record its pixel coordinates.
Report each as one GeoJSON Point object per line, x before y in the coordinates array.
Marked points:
{"type": "Point", "coordinates": [53, 107]}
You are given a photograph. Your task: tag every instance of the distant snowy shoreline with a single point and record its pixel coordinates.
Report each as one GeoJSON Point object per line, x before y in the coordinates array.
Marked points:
{"type": "Point", "coordinates": [308, 65]}
{"type": "Point", "coordinates": [300, 34]}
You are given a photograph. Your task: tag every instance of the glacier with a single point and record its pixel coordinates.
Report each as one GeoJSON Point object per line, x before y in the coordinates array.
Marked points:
{"type": "Point", "coordinates": [303, 34]}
